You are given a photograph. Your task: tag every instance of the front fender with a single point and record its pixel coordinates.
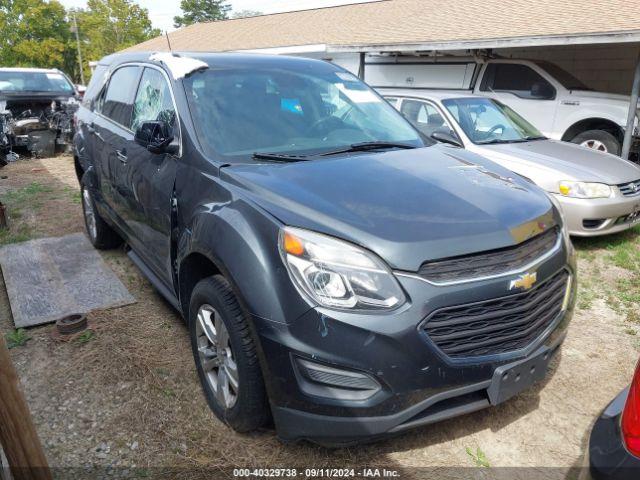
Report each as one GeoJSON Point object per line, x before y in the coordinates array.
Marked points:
{"type": "Point", "coordinates": [242, 242]}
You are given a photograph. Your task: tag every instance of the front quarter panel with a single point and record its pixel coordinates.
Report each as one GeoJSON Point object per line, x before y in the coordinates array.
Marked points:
{"type": "Point", "coordinates": [242, 241]}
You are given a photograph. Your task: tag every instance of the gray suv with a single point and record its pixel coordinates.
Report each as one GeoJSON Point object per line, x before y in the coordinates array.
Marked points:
{"type": "Point", "coordinates": [337, 272]}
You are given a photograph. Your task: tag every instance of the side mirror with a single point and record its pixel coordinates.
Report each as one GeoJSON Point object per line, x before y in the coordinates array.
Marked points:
{"type": "Point", "coordinates": [445, 137]}
{"type": "Point", "coordinates": [542, 91]}
{"type": "Point", "coordinates": [156, 137]}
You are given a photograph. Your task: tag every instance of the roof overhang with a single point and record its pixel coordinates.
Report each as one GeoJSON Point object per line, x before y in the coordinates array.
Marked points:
{"type": "Point", "coordinates": [288, 50]}
{"type": "Point", "coordinates": [540, 41]}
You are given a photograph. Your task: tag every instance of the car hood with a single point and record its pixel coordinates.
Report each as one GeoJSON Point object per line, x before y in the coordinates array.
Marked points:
{"type": "Point", "coordinates": [407, 206]}
{"type": "Point", "coordinates": [561, 161]}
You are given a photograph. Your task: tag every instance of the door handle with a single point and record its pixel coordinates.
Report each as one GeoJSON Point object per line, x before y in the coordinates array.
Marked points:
{"type": "Point", "coordinates": [122, 155]}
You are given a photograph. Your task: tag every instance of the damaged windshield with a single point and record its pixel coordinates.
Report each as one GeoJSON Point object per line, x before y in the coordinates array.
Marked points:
{"type": "Point", "coordinates": [25, 81]}
{"type": "Point", "coordinates": [255, 111]}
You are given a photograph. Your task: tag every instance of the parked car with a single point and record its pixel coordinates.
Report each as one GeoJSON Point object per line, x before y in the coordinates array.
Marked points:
{"type": "Point", "coordinates": [599, 192]}
{"type": "Point", "coordinates": [614, 445]}
{"type": "Point", "coordinates": [36, 110]}
{"type": "Point", "coordinates": [553, 100]}
{"type": "Point", "coordinates": [335, 271]}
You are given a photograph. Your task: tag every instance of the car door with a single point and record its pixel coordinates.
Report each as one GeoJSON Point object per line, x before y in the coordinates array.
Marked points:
{"type": "Point", "coordinates": [523, 89]}
{"type": "Point", "coordinates": [111, 131]}
{"type": "Point", "coordinates": [149, 177]}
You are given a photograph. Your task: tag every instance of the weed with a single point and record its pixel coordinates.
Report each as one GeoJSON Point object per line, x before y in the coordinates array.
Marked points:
{"type": "Point", "coordinates": [479, 458]}
{"type": "Point", "coordinates": [17, 338]}
{"type": "Point", "coordinates": [86, 336]}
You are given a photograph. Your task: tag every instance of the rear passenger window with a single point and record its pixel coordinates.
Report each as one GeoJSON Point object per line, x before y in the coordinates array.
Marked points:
{"type": "Point", "coordinates": [425, 117]}
{"type": "Point", "coordinates": [117, 103]}
{"type": "Point", "coordinates": [153, 100]}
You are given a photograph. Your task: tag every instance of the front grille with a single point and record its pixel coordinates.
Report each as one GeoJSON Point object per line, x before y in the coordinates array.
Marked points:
{"type": "Point", "coordinates": [630, 189]}
{"type": "Point", "coordinates": [500, 325]}
{"type": "Point", "coordinates": [489, 263]}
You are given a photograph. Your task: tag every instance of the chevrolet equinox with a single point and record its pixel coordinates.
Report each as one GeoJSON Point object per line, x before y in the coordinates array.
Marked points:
{"type": "Point", "coordinates": [338, 273]}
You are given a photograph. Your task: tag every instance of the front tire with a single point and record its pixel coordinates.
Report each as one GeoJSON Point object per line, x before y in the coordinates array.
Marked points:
{"type": "Point", "coordinates": [599, 140]}
{"type": "Point", "coordinates": [101, 235]}
{"type": "Point", "coordinates": [225, 356]}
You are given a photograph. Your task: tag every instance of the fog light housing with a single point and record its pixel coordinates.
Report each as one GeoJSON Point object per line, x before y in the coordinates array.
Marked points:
{"type": "Point", "coordinates": [336, 383]}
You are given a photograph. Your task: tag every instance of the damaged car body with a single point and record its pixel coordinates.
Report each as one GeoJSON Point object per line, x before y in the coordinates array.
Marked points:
{"type": "Point", "coordinates": [36, 111]}
{"type": "Point", "coordinates": [337, 272]}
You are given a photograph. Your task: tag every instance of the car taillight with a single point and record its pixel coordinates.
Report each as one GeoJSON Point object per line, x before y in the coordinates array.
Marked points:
{"type": "Point", "coordinates": [631, 416]}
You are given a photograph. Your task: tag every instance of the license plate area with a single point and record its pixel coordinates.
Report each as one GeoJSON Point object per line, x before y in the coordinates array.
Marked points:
{"type": "Point", "coordinates": [509, 380]}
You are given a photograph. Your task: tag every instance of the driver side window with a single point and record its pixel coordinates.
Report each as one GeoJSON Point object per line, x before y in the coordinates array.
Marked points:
{"type": "Point", "coordinates": [153, 101]}
{"type": "Point", "coordinates": [521, 80]}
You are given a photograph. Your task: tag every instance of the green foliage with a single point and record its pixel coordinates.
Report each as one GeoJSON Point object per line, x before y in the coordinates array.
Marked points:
{"type": "Point", "coordinates": [17, 338]}
{"type": "Point", "coordinates": [479, 458]}
{"type": "Point", "coordinates": [86, 336]}
{"type": "Point", "coordinates": [195, 11]}
{"type": "Point", "coordinates": [39, 33]}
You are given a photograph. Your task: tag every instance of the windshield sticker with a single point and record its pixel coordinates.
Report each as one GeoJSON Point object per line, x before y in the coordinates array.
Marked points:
{"type": "Point", "coordinates": [291, 105]}
{"type": "Point", "coordinates": [358, 96]}
{"type": "Point", "coordinates": [54, 76]}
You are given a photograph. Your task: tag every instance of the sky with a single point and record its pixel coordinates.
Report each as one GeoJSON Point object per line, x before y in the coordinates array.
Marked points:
{"type": "Point", "coordinates": [162, 12]}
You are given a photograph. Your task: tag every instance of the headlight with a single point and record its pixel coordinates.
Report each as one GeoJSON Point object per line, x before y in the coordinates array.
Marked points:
{"type": "Point", "coordinates": [337, 274]}
{"type": "Point", "coordinates": [584, 189]}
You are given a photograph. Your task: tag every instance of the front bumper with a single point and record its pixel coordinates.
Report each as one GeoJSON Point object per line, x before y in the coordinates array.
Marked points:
{"type": "Point", "coordinates": [600, 216]}
{"type": "Point", "coordinates": [608, 456]}
{"type": "Point", "coordinates": [419, 384]}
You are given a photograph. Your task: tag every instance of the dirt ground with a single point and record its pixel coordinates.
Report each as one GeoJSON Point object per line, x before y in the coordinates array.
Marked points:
{"type": "Point", "coordinates": [126, 400]}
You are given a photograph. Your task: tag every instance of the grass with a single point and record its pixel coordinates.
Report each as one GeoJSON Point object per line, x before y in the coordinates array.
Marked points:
{"type": "Point", "coordinates": [612, 273]}
{"type": "Point", "coordinates": [17, 338]}
{"type": "Point", "coordinates": [85, 336]}
{"type": "Point", "coordinates": [479, 458]}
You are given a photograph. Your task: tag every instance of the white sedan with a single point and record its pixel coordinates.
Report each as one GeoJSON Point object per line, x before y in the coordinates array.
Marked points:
{"type": "Point", "coordinates": [599, 192]}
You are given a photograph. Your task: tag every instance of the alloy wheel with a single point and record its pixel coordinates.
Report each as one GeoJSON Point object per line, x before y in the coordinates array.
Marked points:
{"type": "Point", "coordinates": [216, 357]}
{"type": "Point", "coordinates": [595, 144]}
{"type": "Point", "coordinates": [89, 214]}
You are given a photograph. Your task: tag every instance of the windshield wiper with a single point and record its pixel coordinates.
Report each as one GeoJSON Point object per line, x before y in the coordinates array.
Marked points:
{"type": "Point", "coordinates": [278, 157]}
{"type": "Point", "coordinates": [535, 137]}
{"type": "Point", "coordinates": [367, 146]}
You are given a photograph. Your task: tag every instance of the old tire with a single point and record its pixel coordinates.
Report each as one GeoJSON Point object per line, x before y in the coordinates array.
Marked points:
{"type": "Point", "coordinates": [225, 356]}
{"type": "Point", "coordinates": [101, 235]}
{"type": "Point", "coordinates": [599, 140]}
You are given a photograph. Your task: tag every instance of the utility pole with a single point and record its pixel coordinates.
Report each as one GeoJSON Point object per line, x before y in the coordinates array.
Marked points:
{"type": "Point", "coordinates": [75, 30]}
{"type": "Point", "coordinates": [18, 435]}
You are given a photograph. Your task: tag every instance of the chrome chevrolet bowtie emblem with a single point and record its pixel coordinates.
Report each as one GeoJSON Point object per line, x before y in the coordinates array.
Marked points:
{"type": "Point", "coordinates": [524, 281]}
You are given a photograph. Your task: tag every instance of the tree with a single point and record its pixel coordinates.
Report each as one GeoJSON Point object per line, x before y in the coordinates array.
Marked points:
{"type": "Point", "coordinates": [107, 26]}
{"type": "Point", "coordinates": [195, 11]}
{"type": "Point", "coordinates": [246, 13]}
{"type": "Point", "coordinates": [34, 33]}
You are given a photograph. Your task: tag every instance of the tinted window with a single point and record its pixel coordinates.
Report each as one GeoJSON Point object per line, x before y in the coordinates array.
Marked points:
{"type": "Point", "coordinates": [518, 79]}
{"type": "Point", "coordinates": [96, 83]}
{"type": "Point", "coordinates": [424, 116]}
{"type": "Point", "coordinates": [153, 100]}
{"type": "Point", "coordinates": [117, 102]}
{"type": "Point", "coordinates": [238, 111]}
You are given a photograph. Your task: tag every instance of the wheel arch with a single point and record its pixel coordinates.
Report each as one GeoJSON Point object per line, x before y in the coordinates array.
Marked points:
{"type": "Point", "coordinates": [596, 123]}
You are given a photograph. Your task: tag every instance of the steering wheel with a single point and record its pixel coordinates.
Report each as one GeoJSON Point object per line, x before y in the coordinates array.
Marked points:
{"type": "Point", "coordinates": [493, 129]}
{"type": "Point", "coordinates": [324, 122]}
